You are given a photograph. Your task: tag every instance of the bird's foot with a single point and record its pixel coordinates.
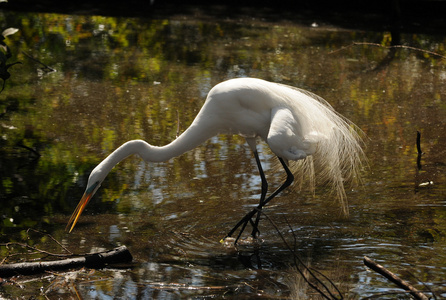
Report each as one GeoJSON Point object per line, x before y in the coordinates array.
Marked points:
{"type": "Point", "coordinates": [248, 241]}
{"type": "Point", "coordinates": [230, 242]}
{"type": "Point", "coordinates": [248, 218]}
{"type": "Point", "coordinates": [255, 230]}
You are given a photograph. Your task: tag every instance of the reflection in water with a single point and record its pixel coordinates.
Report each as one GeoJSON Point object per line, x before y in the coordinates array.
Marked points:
{"type": "Point", "coordinates": [121, 79]}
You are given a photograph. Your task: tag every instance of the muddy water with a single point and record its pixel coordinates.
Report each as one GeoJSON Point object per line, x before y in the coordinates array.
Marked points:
{"type": "Point", "coordinates": [118, 79]}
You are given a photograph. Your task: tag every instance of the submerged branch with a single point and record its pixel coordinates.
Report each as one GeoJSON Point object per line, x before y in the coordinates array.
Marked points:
{"type": "Point", "coordinates": [45, 68]}
{"type": "Point", "coordinates": [311, 272]}
{"type": "Point", "coordinates": [419, 150]}
{"type": "Point", "coordinates": [96, 260]}
{"type": "Point", "coordinates": [395, 279]}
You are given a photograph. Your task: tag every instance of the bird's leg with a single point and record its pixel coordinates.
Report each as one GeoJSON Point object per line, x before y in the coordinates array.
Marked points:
{"type": "Point", "coordinates": [255, 230]}
{"type": "Point", "coordinates": [247, 218]}
{"type": "Point", "coordinates": [288, 181]}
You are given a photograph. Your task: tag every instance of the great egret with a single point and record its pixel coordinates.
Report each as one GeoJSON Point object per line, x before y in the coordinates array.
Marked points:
{"type": "Point", "coordinates": [296, 124]}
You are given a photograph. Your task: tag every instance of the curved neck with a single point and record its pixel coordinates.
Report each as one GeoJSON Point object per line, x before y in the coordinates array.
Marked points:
{"type": "Point", "coordinates": [194, 136]}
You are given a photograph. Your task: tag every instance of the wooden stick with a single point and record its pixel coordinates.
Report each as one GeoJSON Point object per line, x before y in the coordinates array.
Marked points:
{"type": "Point", "coordinates": [395, 279]}
{"type": "Point", "coordinates": [96, 260]}
{"type": "Point", "coordinates": [419, 150]}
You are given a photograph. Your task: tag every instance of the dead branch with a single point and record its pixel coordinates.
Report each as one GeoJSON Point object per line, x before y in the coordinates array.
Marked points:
{"type": "Point", "coordinates": [45, 68]}
{"type": "Point", "coordinates": [37, 250]}
{"type": "Point", "coordinates": [94, 261]}
{"type": "Point", "coordinates": [395, 279]}
{"type": "Point", "coordinates": [388, 47]}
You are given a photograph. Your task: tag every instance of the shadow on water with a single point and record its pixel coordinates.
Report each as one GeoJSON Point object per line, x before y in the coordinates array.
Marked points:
{"type": "Point", "coordinates": [118, 79]}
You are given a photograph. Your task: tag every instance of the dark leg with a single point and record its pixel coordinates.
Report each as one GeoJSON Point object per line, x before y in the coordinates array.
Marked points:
{"type": "Point", "coordinates": [247, 218]}
{"type": "Point", "coordinates": [288, 181]}
{"type": "Point", "coordinates": [243, 221]}
{"type": "Point", "coordinates": [255, 230]}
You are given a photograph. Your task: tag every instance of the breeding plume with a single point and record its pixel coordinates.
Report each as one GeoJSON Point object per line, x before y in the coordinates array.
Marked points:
{"type": "Point", "coordinates": [296, 124]}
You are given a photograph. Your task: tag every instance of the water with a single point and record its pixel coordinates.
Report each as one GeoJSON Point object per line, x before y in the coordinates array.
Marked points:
{"type": "Point", "coordinates": [118, 79]}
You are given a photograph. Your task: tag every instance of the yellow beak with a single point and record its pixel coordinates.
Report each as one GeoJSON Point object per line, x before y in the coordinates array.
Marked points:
{"type": "Point", "coordinates": [78, 211]}
{"type": "Point", "coordinates": [81, 206]}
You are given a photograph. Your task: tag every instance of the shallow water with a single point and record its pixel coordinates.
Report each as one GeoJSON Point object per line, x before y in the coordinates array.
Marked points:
{"type": "Point", "coordinates": [118, 79]}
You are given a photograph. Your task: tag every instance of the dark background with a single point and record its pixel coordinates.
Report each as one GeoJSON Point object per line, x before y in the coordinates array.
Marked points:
{"type": "Point", "coordinates": [425, 16]}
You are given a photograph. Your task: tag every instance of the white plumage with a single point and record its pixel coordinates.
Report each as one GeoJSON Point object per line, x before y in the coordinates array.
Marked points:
{"type": "Point", "coordinates": [296, 124]}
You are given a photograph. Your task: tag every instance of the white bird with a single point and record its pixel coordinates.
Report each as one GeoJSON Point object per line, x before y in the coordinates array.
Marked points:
{"type": "Point", "coordinates": [296, 124]}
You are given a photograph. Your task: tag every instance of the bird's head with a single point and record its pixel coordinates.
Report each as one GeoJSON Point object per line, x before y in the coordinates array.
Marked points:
{"type": "Point", "coordinates": [94, 182]}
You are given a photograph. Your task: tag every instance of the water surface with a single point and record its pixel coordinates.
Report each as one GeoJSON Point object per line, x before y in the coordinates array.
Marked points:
{"type": "Point", "coordinates": [118, 79]}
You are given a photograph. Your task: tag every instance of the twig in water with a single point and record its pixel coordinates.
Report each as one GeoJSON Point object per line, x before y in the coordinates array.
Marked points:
{"type": "Point", "coordinates": [97, 260]}
{"type": "Point", "coordinates": [387, 47]}
{"type": "Point", "coordinates": [294, 252]}
{"type": "Point", "coordinates": [395, 279]}
{"type": "Point", "coordinates": [292, 232]}
{"type": "Point", "coordinates": [50, 236]}
{"type": "Point", "coordinates": [425, 285]}
{"type": "Point", "coordinates": [419, 150]}
{"type": "Point", "coordinates": [29, 149]}
{"type": "Point", "coordinates": [310, 271]}
{"type": "Point", "coordinates": [178, 125]}
{"type": "Point", "coordinates": [381, 295]}
{"type": "Point", "coordinates": [35, 249]}
{"type": "Point", "coordinates": [419, 143]}
{"type": "Point", "coordinates": [45, 68]}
